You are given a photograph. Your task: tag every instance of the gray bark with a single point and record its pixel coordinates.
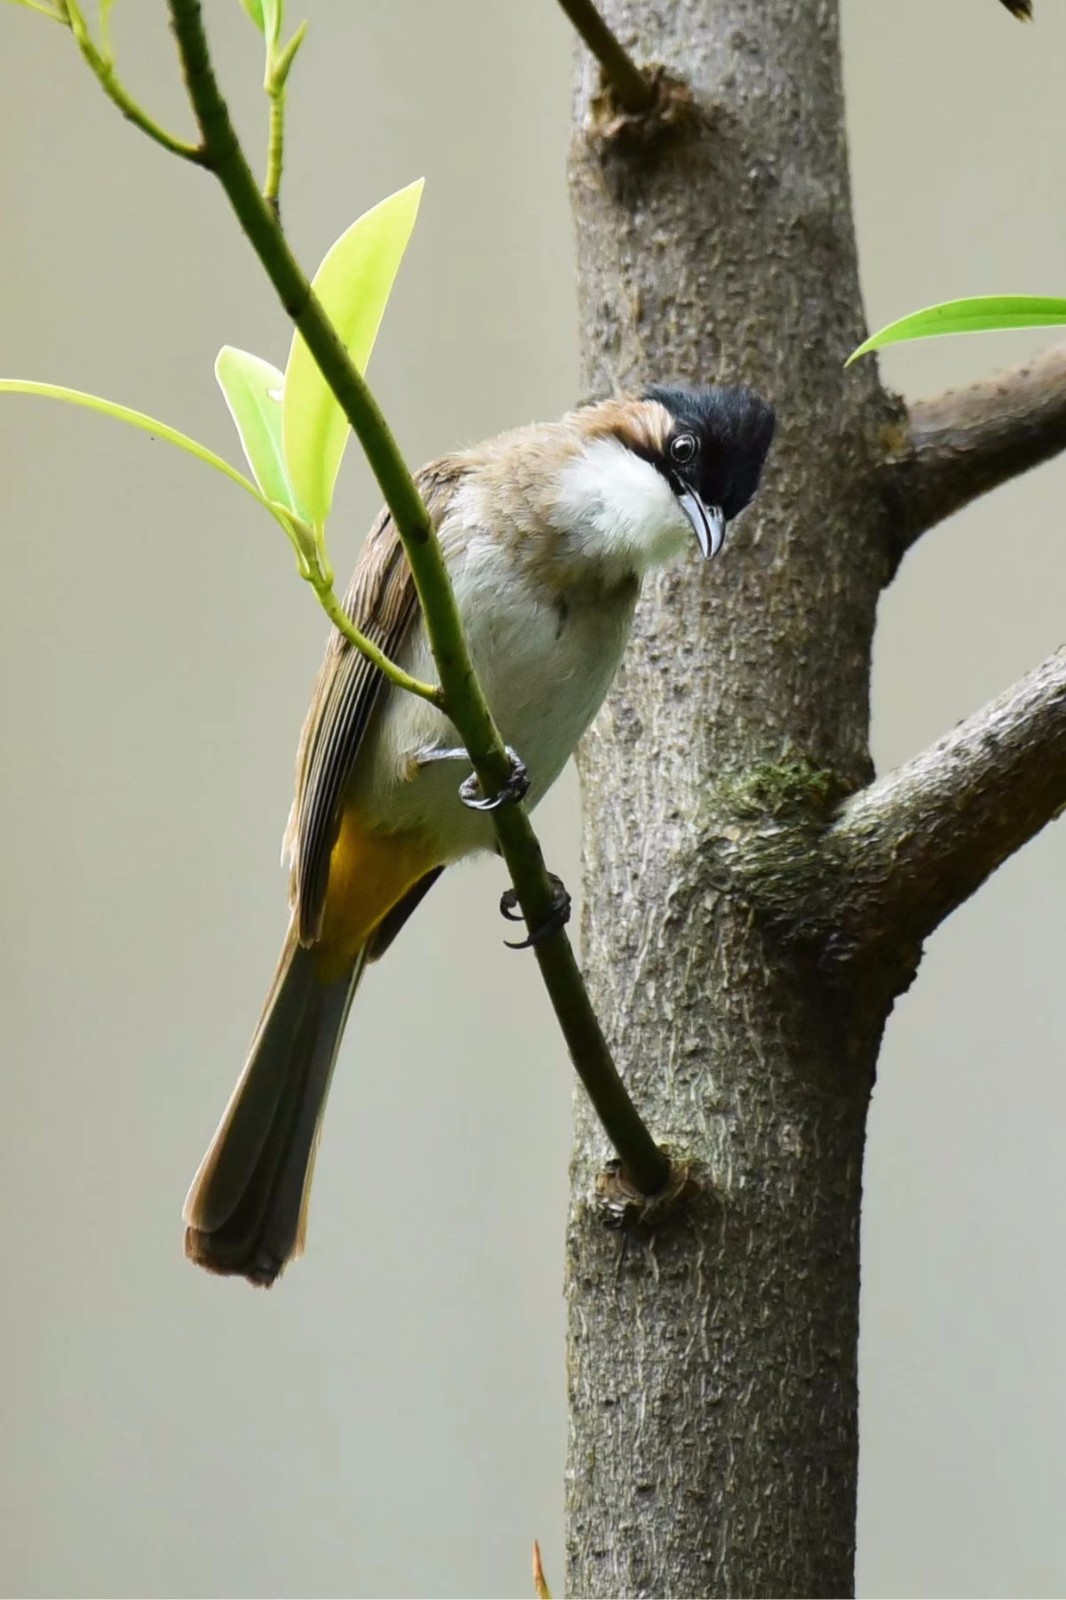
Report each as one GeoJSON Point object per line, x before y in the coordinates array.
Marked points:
{"type": "Point", "coordinates": [712, 1357]}
{"type": "Point", "coordinates": [752, 909]}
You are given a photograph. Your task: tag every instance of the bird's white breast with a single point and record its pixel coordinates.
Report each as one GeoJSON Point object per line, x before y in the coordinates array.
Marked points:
{"type": "Point", "coordinates": [545, 663]}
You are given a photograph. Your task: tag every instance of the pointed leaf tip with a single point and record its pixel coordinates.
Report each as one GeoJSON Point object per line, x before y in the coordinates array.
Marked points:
{"type": "Point", "coordinates": [253, 391]}
{"type": "Point", "coordinates": [254, 8]}
{"type": "Point", "coordinates": [540, 1582]}
{"type": "Point", "coordinates": [994, 313]}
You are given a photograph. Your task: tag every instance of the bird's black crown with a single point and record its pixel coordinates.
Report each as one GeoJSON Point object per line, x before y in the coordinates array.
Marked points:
{"type": "Point", "coordinates": [733, 429]}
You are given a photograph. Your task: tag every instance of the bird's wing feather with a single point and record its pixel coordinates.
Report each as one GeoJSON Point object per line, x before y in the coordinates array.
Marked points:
{"type": "Point", "coordinates": [382, 602]}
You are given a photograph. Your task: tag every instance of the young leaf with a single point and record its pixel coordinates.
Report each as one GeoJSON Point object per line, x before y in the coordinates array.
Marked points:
{"type": "Point", "coordinates": [353, 283]}
{"type": "Point", "coordinates": [254, 9]}
{"type": "Point", "coordinates": [272, 10]}
{"type": "Point", "coordinates": [980, 314]}
{"type": "Point", "coordinates": [252, 390]}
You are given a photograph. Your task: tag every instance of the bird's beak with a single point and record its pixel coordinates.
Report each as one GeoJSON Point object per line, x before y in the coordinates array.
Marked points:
{"type": "Point", "coordinates": [708, 522]}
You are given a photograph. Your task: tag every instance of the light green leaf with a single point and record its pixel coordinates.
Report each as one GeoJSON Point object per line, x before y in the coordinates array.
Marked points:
{"type": "Point", "coordinates": [296, 531]}
{"type": "Point", "coordinates": [353, 283]}
{"type": "Point", "coordinates": [252, 390]}
{"type": "Point", "coordinates": [272, 14]}
{"type": "Point", "coordinates": [254, 9]}
{"type": "Point", "coordinates": [980, 314]}
{"type": "Point", "coordinates": [282, 60]}
{"type": "Point", "coordinates": [136, 419]}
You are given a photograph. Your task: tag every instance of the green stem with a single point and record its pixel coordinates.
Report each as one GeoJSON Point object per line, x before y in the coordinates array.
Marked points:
{"type": "Point", "coordinates": [327, 599]}
{"type": "Point", "coordinates": [279, 64]}
{"type": "Point", "coordinates": [103, 69]}
{"type": "Point", "coordinates": [275, 151]}
{"type": "Point", "coordinates": [463, 698]}
{"type": "Point", "coordinates": [631, 88]}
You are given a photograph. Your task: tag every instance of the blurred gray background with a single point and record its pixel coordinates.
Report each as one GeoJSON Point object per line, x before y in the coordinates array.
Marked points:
{"type": "Point", "coordinates": [390, 1420]}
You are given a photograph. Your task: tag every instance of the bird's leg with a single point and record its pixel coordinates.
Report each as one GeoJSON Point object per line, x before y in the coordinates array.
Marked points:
{"type": "Point", "coordinates": [558, 917]}
{"type": "Point", "coordinates": [515, 789]}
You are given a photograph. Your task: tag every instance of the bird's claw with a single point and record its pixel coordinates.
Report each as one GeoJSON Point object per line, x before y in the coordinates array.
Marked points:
{"type": "Point", "coordinates": [516, 788]}
{"type": "Point", "coordinates": [557, 918]}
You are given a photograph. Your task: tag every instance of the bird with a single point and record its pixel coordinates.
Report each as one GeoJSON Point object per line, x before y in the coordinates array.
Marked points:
{"type": "Point", "coordinates": [1022, 9]}
{"type": "Point", "coordinates": [547, 532]}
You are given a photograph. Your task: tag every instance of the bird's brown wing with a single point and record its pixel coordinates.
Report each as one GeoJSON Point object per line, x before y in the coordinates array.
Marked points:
{"type": "Point", "coordinates": [383, 604]}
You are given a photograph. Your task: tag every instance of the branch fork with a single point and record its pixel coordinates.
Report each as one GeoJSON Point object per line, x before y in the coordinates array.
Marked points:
{"type": "Point", "coordinates": [961, 444]}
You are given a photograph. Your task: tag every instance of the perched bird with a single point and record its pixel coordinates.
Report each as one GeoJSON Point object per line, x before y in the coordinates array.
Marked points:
{"type": "Point", "coordinates": [547, 533]}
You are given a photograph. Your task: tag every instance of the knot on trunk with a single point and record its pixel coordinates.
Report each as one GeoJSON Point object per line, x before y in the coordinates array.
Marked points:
{"type": "Point", "coordinates": [619, 1204]}
{"type": "Point", "coordinates": [672, 110]}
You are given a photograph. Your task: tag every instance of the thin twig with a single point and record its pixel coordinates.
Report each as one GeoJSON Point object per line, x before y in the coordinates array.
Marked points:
{"type": "Point", "coordinates": [632, 89]}
{"type": "Point", "coordinates": [961, 444]}
{"type": "Point", "coordinates": [103, 69]}
{"type": "Point", "coordinates": [464, 700]}
{"type": "Point", "coordinates": [913, 846]}
{"type": "Point", "coordinates": [327, 599]}
{"type": "Point", "coordinates": [275, 153]}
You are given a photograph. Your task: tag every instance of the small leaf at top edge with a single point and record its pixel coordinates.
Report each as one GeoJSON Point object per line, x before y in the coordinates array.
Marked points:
{"type": "Point", "coordinates": [992, 313]}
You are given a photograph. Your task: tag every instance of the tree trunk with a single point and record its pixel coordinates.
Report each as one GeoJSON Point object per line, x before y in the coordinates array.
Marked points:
{"type": "Point", "coordinates": [712, 1352]}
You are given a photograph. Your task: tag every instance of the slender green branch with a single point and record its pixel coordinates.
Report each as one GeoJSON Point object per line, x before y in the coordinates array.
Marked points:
{"type": "Point", "coordinates": [631, 88]}
{"type": "Point", "coordinates": [463, 698]}
{"type": "Point", "coordinates": [103, 69]}
{"type": "Point", "coordinates": [343, 623]}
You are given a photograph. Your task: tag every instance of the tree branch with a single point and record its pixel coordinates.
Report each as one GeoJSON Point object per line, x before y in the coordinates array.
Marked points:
{"type": "Point", "coordinates": [963, 443]}
{"type": "Point", "coordinates": [464, 700]}
{"type": "Point", "coordinates": [632, 89]}
{"type": "Point", "coordinates": [913, 846]}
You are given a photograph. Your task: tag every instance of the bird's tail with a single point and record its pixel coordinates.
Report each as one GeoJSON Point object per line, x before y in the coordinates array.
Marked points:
{"type": "Point", "coordinates": [247, 1208]}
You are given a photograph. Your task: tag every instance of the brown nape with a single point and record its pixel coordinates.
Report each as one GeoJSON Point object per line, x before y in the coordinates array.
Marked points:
{"type": "Point", "coordinates": [642, 425]}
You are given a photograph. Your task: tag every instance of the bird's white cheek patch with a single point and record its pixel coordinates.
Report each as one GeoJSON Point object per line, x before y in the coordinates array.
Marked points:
{"type": "Point", "coordinates": [618, 505]}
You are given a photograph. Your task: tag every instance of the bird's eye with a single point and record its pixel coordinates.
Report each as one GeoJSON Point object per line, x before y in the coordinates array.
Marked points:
{"type": "Point", "coordinates": [684, 448]}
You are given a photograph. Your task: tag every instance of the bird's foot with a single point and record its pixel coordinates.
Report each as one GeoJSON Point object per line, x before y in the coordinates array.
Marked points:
{"type": "Point", "coordinates": [515, 789]}
{"type": "Point", "coordinates": [557, 918]}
